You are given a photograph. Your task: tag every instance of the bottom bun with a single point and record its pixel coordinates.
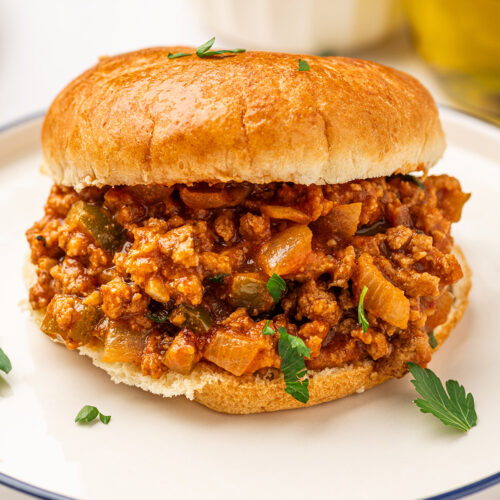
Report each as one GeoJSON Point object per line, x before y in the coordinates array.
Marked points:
{"type": "Point", "coordinates": [226, 393]}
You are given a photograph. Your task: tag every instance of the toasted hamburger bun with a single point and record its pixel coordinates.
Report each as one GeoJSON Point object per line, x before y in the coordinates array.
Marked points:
{"type": "Point", "coordinates": [141, 118]}
{"type": "Point", "coordinates": [226, 393]}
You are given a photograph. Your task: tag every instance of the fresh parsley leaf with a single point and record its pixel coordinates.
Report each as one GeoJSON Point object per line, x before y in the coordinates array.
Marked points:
{"type": "Point", "coordinates": [158, 317]}
{"type": "Point", "coordinates": [267, 330]}
{"type": "Point", "coordinates": [204, 50]}
{"type": "Point", "coordinates": [361, 310]}
{"type": "Point", "coordinates": [5, 364]}
{"type": "Point", "coordinates": [292, 351]}
{"type": "Point", "coordinates": [177, 55]}
{"type": "Point", "coordinates": [411, 178]}
{"type": "Point", "coordinates": [276, 286]}
{"type": "Point", "coordinates": [205, 47]}
{"type": "Point", "coordinates": [104, 418]}
{"type": "Point", "coordinates": [303, 65]}
{"type": "Point", "coordinates": [220, 52]}
{"type": "Point", "coordinates": [432, 340]}
{"type": "Point", "coordinates": [89, 413]}
{"type": "Point", "coordinates": [299, 388]}
{"type": "Point", "coordinates": [218, 278]}
{"type": "Point", "coordinates": [453, 408]}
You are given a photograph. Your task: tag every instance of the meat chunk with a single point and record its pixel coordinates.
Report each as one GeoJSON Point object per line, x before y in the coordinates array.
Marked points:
{"type": "Point", "coordinates": [341, 350]}
{"type": "Point", "coordinates": [152, 357]}
{"type": "Point", "coordinates": [127, 209]}
{"type": "Point", "coordinates": [316, 303]}
{"type": "Point", "coordinates": [314, 333]}
{"type": "Point", "coordinates": [255, 227]}
{"type": "Point", "coordinates": [120, 298]}
{"type": "Point", "coordinates": [182, 355]}
{"type": "Point", "coordinates": [71, 278]}
{"type": "Point", "coordinates": [225, 226]}
{"type": "Point", "coordinates": [178, 244]}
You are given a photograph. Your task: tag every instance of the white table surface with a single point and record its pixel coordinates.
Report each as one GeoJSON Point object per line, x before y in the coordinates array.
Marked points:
{"type": "Point", "coordinates": [45, 43]}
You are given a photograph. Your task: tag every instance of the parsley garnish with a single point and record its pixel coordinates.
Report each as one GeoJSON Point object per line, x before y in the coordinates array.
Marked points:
{"type": "Point", "coordinates": [104, 418]}
{"type": "Point", "coordinates": [204, 50]}
{"type": "Point", "coordinates": [158, 317]}
{"type": "Point", "coordinates": [411, 178]}
{"type": "Point", "coordinates": [361, 310]}
{"type": "Point", "coordinates": [303, 65]}
{"type": "Point", "coordinates": [267, 330]}
{"type": "Point", "coordinates": [5, 364]}
{"type": "Point", "coordinates": [432, 340]}
{"type": "Point", "coordinates": [276, 286]}
{"type": "Point", "coordinates": [292, 351]}
{"type": "Point", "coordinates": [89, 413]}
{"type": "Point", "coordinates": [218, 278]}
{"type": "Point", "coordinates": [178, 54]}
{"type": "Point", "coordinates": [454, 408]}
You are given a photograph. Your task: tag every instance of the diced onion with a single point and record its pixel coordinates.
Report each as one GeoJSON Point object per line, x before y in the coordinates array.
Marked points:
{"type": "Point", "coordinates": [181, 355]}
{"type": "Point", "coordinates": [287, 213]}
{"type": "Point", "coordinates": [217, 198]}
{"type": "Point", "coordinates": [249, 290]}
{"type": "Point", "coordinates": [122, 345]}
{"type": "Point", "coordinates": [231, 351]}
{"type": "Point", "coordinates": [442, 308]}
{"type": "Point", "coordinates": [287, 251]}
{"type": "Point", "coordinates": [382, 299]}
{"type": "Point", "coordinates": [342, 221]}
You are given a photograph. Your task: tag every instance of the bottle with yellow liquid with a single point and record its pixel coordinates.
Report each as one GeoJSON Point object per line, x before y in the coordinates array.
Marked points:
{"type": "Point", "coordinates": [461, 41]}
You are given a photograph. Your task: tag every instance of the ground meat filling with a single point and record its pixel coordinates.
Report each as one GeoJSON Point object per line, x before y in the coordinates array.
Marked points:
{"type": "Point", "coordinates": [164, 277]}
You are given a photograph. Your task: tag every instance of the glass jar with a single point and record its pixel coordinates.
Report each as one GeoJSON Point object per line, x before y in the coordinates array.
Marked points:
{"type": "Point", "coordinates": [460, 39]}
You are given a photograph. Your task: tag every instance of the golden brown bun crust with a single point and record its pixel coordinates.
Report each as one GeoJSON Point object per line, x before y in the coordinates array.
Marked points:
{"type": "Point", "coordinates": [141, 118]}
{"type": "Point", "coordinates": [226, 393]}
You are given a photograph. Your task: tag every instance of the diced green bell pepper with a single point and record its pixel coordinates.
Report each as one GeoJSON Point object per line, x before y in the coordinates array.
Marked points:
{"type": "Point", "coordinates": [196, 319]}
{"type": "Point", "coordinates": [81, 330]}
{"type": "Point", "coordinates": [96, 222]}
{"type": "Point", "coordinates": [249, 290]}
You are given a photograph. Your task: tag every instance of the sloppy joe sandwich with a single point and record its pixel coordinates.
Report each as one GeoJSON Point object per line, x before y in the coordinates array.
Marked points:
{"type": "Point", "coordinates": [250, 233]}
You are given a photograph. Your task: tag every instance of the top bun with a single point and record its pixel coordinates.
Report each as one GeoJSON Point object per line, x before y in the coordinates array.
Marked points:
{"type": "Point", "coordinates": [141, 118]}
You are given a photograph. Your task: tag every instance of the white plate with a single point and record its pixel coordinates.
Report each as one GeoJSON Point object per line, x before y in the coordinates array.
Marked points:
{"type": "Point", "coordinates": [372, 445]}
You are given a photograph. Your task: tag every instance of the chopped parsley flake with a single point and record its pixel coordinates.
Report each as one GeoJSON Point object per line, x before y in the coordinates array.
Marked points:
{"type": "Point", "coordinates": [89, 413]}
{"type": "Point", "coordinates": [204, 50]}
{"type": "Point", "coordinates": [303, 65]}
{"type": "Point", "coordinates": [361, 311]}
{"type": "Point", "coordinates": [293, 352]}
{"type": "Point", "coordinates": [276, 286]}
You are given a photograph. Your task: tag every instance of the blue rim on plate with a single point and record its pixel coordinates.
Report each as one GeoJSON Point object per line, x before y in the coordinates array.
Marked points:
{"type": "Point", "coordinates": [461, 492]}
{"type": "Point", "coordinates": [468, 489]}
{"type": "Point", "coordinates": [37, 492]}
{"type": "Point", "coordinates": [29, 489]}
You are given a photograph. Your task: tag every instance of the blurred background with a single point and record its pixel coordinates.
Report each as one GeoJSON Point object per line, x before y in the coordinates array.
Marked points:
{"type": "Point", "coordinates": [452, 46]}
